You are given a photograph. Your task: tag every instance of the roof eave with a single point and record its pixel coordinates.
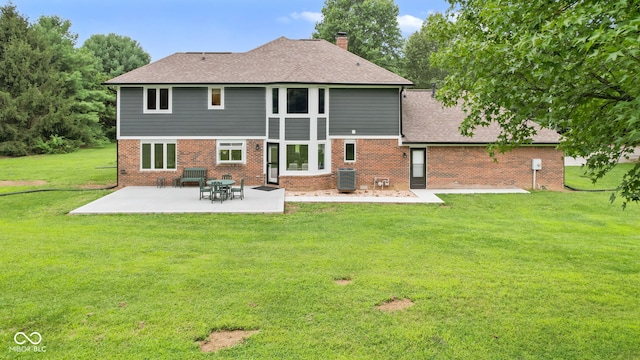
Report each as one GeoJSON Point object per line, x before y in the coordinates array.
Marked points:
{"type": "Point", "coordinates": [460, 143]}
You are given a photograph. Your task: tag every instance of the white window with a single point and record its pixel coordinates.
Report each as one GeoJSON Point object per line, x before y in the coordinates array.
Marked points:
{"type": "Point", "coordinates": [350, 151]}
{"type": "Point", "coordinates": [297, 157]}
{"type": "Point", "coordinates": [215, 98]}
{"type": "Point", "coordinates": [158, 156]}
{"type": "Point", "coordinates": [157, 100]}
{"type": "Point", "coordinates": [231, 152]}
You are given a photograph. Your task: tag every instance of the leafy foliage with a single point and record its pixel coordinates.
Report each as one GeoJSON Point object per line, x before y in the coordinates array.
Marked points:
{"type": "Point", "coordinates": [417, 52]}
{"type": "Point", "coordinates": [116, 55]}
{"type": "Point", "coordinates": [49, 90]}
{"type": "Point", "coordinates": [372, 27]}
{"type": "Point", "coordinates": [569, 65]}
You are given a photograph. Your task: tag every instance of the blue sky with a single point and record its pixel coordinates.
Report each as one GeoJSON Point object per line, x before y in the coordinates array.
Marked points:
{"type": "Point", "coordinates": [164, 27]}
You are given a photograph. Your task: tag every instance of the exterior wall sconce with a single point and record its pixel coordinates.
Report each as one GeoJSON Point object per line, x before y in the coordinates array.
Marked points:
{"type": "Point", "coordinates": [404, 155]}
{"type": "Point", "coordinates": [257, 147]}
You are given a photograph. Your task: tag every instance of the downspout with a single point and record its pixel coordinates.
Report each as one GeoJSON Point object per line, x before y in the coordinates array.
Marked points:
{"type": "Point", "coordinates": [400, 98]}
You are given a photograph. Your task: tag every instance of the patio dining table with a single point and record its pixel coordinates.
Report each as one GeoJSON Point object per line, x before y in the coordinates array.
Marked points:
{"type": "Point", "coordinates": [226, 184]}
{"type": "Point", "coordinates": [221, 182]}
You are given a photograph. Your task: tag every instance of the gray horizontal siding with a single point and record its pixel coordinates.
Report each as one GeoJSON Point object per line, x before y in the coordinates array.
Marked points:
{"type": "Point", "coordinates": [373, 112]}
{"type": "Point", "coordinates": [243, 114]}
{"type": "Point", "coordinates": [274, 128]}
{"type": "Point", "coordinates": [297, 129]}
{"type": "Point", "coordinates": [322, 128]}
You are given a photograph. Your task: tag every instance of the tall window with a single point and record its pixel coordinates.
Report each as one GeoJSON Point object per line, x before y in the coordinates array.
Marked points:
{"type": "Point", "coordinates": [297, 157]}
{"type": "Point", "coordinates": [157, 100]}
{"type": "Point", "coordinates": [231, 152]}
{"type": "Point", "coordinates": [320, 156]}
{"type": "Point", "coordinates": [320, 101]}
{"type": "Point", "coordinates": [216, 98]}
{"type": "Point", "coordinates": [298, 101]}
{"type": "Point", "coordinates": [350, 151]}
{"type": "Point", "coordinates": [275, 100]}
{"type": "Point", "coordinates": [158, 156]}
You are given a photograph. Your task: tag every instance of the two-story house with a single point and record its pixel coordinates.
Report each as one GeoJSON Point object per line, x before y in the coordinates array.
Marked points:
{"type": "Point", "coordinates": [289, 113]}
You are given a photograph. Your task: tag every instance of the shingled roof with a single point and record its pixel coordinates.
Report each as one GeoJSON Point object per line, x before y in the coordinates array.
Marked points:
{"type": "Point", "coordinates": [425, 120]}
{"type": "Point", "coordinates": [283, 60]}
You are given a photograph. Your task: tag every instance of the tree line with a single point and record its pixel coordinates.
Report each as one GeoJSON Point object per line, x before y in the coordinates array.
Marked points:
{"type": "Point", "coordinates": [567, 65]}
{"type": "Point", "coordinates": [572, 66]}
{"type": "Point", "coordinates": [51, 97]}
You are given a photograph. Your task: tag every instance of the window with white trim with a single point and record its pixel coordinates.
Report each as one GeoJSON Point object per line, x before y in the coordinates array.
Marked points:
{"type": "Point", "coordinates": [216, 98]}
{"type": "Point", "coordinates": [350, 151]}
{"type": "Point", "coordinates": [157, 100]}
{"type": "Point", "coordinates": [297, 157]}
{"type": "Point", "coordinates": [231, 152]}
{"type": "Point", "coordinates": [297, 101]}
{"type": "Point", "coordinates": [158, 156]}
{"type": "Point", "coordinates": [321, 156]}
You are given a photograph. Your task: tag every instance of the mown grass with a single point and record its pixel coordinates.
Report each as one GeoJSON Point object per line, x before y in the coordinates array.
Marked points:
{"type": "Point", "coordinates": [576, 178]}
{"type": "Point", "coordinates": [88, 167]}
{"type": "Point", "coordinates": [545, 275]}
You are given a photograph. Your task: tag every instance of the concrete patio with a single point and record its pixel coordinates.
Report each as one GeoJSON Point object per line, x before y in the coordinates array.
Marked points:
{"type": "Point", "coordinates": [150, 199]}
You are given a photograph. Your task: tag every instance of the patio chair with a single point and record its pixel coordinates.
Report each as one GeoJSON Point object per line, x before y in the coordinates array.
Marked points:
{"type": "Point", "coordinates": [204, 188]}
{"type": "Point", "coordinates": [220, 191]}
{"type": "Point", "coordinates": [226, 177]}
{"type": "Point", "coordinates": [239, 190]}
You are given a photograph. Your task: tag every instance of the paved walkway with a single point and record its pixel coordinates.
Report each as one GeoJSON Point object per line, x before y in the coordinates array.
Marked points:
{"type": "Point", "coordinates": [150, 199]}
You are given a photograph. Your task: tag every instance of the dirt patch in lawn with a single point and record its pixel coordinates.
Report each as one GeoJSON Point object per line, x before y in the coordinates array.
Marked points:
{"type": "Point", "coordinates": [395, 304]}
{"type": "Point", "coordinates": [22, 183]}
{"type": "Point", "coordinates": [223, 339]}
{"type": "Point", "coordinates": [343, 281]}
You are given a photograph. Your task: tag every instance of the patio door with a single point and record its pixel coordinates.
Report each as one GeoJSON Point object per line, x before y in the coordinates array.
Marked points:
{"type": "Point", "coordinates": [418, 169]}
{"type": "Point", "coordinates": [273, 153]}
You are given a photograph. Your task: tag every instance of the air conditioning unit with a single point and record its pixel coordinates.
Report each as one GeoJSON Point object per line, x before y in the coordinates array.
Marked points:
{"type": "Point", "coordinates": [346, 179]}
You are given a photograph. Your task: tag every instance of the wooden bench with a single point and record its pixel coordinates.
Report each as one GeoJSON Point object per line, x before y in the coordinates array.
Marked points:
{"type": "Point", "coordinates": [193, 175]}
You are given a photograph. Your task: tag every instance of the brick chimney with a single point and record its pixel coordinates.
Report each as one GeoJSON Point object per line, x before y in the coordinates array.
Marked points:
{"type": "Point", "coordinates": [342, 40]}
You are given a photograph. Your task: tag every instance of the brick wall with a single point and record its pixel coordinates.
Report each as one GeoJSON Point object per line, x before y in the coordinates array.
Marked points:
{"type": "Point", "coordinates": [374, 158]}
{"type": "Point", "coordinates": [191, 153]}
{"type": "Point", "coordinates": [447, 166]}
{"type": "Point", "coordinates": [471, 166]}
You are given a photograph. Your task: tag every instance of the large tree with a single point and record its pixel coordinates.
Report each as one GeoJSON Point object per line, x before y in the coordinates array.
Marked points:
{"type": "Point", "coordinates": [117, 55]}
{"type": "Point", "coordinates": [569, 65]}
{"type": "Point", "coordinates": [417, 53]}
{"type": "Point", "coordinates": [49, 98]}
{"type": "Point", "coordinates": [372, 28]}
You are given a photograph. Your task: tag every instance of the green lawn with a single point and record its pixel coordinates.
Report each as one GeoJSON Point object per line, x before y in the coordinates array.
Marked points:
{"type": "Point", "coordinates": [576, 178]}
{"type": "Point", "coordinates": [88, 167]}
{"type": "Point", "coordinates": [551, 275]}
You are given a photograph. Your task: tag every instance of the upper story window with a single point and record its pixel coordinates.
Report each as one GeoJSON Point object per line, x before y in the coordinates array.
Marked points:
{"type": "Point", "coordinates": [321, 101]}
{"type": "Point", "coordinates": [298, 101]}
{"type": "Point", "coordinates": [275, 100]}
{"type": "Point", "coordinates": [157, 100]}
{"type": "Point", "coordinates": [216, 98]}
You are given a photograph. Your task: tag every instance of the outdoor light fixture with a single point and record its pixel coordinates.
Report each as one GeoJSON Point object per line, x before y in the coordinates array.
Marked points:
{"type": "Point", "coordinates": [404, 155]}
{"type": "Point", "coordinates": [257, 147]}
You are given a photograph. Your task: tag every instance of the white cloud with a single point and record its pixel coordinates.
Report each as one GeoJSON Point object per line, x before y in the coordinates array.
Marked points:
{"type": "Point", "coordinates": [312, 17]}
{"type": "Point", "coordinates": [409, 24]}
